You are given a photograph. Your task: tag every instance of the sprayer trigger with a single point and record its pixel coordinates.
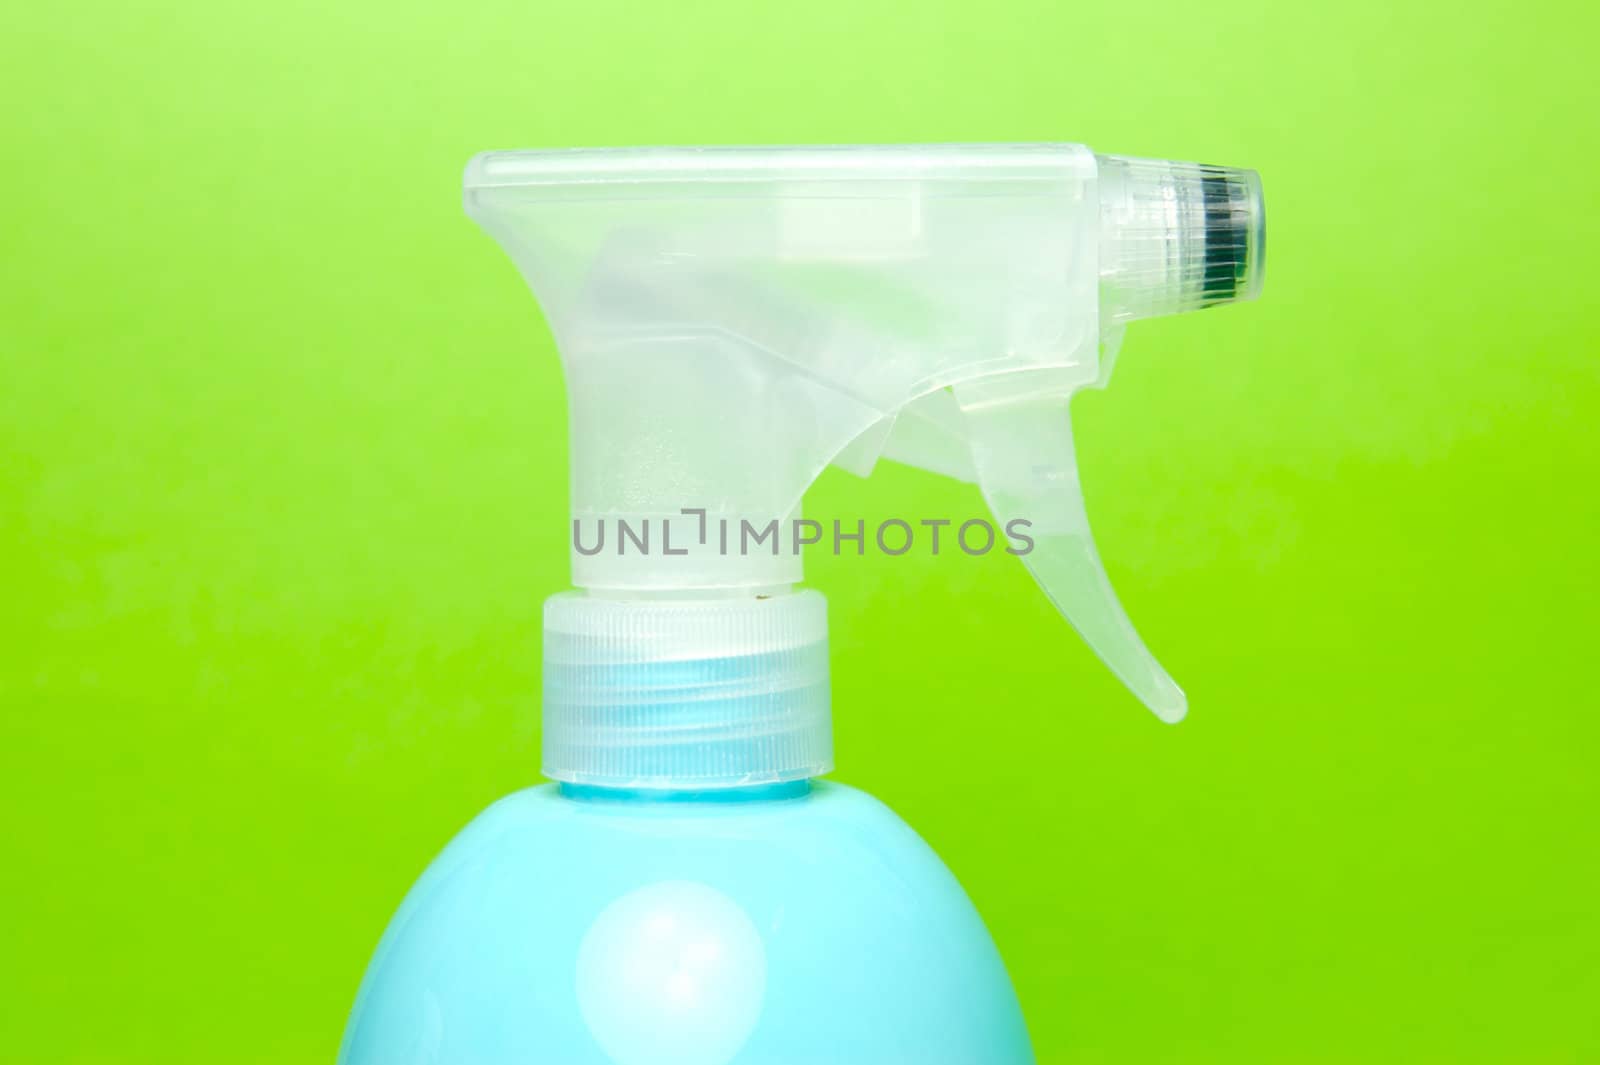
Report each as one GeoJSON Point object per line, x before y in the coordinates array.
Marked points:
{"type": "Point", "coordinates": [1022, 448]}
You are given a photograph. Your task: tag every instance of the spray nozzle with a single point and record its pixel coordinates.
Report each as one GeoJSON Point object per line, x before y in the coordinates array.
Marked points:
{"type": "Point", "coordinates": [731, 321]}
{"type": "Point", "coordinates": [1177, 236]}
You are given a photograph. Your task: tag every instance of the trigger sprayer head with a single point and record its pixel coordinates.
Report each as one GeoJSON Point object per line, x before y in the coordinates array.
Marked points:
{"type": "Point", "coordinates": [731, 321]}
{"type": "Point", "coordinates": [1177, 236]}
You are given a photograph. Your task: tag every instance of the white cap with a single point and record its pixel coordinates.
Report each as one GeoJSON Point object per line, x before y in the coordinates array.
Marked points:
{"type": "Point", "coordinates": [686, 693]}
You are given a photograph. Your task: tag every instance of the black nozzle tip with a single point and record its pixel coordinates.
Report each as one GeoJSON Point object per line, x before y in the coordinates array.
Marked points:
{"type": "Point", "coordinates": [1230, 220]}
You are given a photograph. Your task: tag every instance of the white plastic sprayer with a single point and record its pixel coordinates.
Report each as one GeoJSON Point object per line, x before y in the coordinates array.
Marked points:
{"type": "Point", "coordinates": [733, 320]}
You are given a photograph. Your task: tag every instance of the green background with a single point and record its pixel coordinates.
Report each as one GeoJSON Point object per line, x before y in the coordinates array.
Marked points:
{"type": "Point", "coordinates": [282, 487]}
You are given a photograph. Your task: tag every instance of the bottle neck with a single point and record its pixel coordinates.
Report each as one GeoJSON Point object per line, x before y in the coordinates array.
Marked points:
{"type": "Point", "coordinates": [789, 789]}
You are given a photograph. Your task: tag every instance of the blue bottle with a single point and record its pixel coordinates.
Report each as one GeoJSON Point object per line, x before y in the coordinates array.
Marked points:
{"type": "Point", "coordinates": [799, 922]}
{"type": "Point", "coordinates": [731, 321]}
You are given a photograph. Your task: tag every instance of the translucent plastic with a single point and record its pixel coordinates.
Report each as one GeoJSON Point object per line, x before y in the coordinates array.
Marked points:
{"type": "Point", "coordinates": [733, 320]}
{"type": "Point", "coordinates": [675, 693]}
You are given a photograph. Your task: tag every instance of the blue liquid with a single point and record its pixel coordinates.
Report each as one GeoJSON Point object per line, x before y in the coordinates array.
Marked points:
{"type": "Point", "coordinates": [797, 923]}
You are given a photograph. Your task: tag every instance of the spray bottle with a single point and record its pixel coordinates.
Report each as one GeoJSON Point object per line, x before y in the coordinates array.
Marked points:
{"type": "Point", "coordinates": [731, 321]}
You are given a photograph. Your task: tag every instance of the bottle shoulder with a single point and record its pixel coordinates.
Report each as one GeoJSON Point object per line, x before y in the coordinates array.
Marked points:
{"type": "Point", "coordinates": [826, 805]}
{"type": "Point", "coordinates": [833, 829]}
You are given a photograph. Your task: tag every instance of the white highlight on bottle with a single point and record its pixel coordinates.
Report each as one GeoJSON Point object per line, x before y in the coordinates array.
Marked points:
{"type": "Point", "coordinates": [674, 973]}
